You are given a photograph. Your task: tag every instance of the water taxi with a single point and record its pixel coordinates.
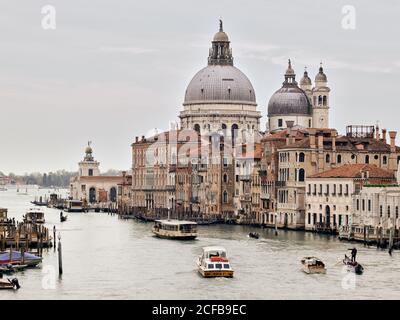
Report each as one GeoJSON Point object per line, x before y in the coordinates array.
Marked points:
{"type": "Point", "coordinates": [313, 265]}
{"type": "Point", "coordinates": [175, 229]}
{"type": "Point", "coordinates": [213, 262]}
{"type": "Point", "coordinates": [34, 216]}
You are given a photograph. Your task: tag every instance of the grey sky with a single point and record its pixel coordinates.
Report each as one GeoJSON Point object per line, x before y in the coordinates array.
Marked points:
{"type": "Point", "coordinates": [113, 70]}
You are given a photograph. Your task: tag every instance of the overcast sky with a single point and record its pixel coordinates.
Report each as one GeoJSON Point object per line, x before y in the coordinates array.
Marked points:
{"type": "Point", "coordinates": [113, 70]}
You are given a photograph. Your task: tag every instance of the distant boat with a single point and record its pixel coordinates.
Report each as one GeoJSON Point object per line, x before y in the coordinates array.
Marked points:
{"type": "Point", "coordinates": [34, 216]}
{"type": "Point", "coordinates": [22, 193]}
{"type": "Point", "coordinates": [254, 235]}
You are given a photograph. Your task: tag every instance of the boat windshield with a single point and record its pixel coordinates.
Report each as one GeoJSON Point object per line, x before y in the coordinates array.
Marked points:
{"type": "Point", "coordinates": [221, 254]}
{"type": "Point", "coordinates": [188, 228]}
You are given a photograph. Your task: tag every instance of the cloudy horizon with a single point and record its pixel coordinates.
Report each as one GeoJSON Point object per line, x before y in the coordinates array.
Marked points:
{"type": "Point", "coordinates": [113, 71]}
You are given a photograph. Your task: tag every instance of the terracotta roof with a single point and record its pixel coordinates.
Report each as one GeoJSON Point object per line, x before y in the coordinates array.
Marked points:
{"type": "Point", "coordinates": [354, 171]}
{"type": "Point", "coordinates": [101, 178]}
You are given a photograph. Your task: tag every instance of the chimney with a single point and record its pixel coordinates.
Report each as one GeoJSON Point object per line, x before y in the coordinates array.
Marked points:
{"type": "Point", "coordinates": [384, 135]}
{"type": "Point", "coordinates": [377, 133]}
{"type": "Point", "coordinates": [334, 134]}
{"type": "Point", "coordinates": [289, 139]}
{"type": "Point", "coordinates": [312, 133]}
{"type": "Point", "coordinates": [392, 135]}
{"type": "Point", "coordinates": [321, 141]}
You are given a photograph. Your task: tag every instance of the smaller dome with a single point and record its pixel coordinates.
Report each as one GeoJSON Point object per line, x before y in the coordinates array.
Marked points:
{"type": "Point", "coordinates": [88, 149]}
{"type": "Point", "coordinates": [321, 76]}
{"type": "Point", "coordinates": [221, 36]}
{"type": "Point", "coordinates": [305, 80]}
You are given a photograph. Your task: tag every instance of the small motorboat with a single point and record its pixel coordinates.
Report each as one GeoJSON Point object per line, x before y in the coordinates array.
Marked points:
{"type": "Point", "coordinates": [214, 263]}
{"type": "Point", "coordinates": [313, 265]}
{"type": "Point", "coordinates": [9, 284]}
{"type": "Point", "coordinates": [353, 266]}
{"type": "Point", "coordinates": [254, 235]}
{"type": "Point", "coordinates": [10, 269]}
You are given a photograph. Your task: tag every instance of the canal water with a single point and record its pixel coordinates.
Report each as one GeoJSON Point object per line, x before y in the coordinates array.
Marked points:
{"type": "Point", "coordinates": [108, 258]}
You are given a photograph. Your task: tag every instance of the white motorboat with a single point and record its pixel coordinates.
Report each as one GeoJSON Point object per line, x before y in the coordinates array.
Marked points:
{"type": "Point", "coordinates": [213, 262]}
{"type": "Point", "coordinates": [313, 265]}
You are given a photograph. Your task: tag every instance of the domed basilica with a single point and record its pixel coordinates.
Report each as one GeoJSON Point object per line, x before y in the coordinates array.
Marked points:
{"type": "Point", "coordinates": [220, 97]}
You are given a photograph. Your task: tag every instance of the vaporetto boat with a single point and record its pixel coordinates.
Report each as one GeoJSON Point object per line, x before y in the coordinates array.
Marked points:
{"type": "Point", "coordinates": [175, 229]}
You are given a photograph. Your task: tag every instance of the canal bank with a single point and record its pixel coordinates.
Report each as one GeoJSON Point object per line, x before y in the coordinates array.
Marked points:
{"type": "Point", "coordinates": [109, 258]}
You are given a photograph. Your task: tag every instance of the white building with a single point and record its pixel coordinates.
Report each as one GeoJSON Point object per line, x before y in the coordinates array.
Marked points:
{"type": "Point", "coordinates": [329, 194]}
{"type": "Point", "coordinates": [91, 187]}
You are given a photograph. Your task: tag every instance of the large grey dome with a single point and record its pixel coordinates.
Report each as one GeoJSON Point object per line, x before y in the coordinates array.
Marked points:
{"type": "Point", "coordinates": [220, 84]}
{"type": "Point", "coordinates": [289, 100]}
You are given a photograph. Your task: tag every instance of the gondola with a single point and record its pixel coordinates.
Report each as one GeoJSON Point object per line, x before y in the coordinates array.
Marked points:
{"type": "Point", "coordinates": [353, 266]}
{"type": "Point", "coordinates": [63, 218]}
{"type": "Point", "coordinates": [9, 284]}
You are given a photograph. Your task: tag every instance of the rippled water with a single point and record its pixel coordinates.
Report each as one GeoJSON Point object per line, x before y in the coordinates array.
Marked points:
{"type": "Point", "coordinates": [108, 258]}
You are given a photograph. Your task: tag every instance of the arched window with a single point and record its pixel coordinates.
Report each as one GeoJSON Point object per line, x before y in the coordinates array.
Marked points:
{"type": "Point", "coordinates": [197, 128]}
{"type": "Point", "coordinates": [302, 175]}
{"type": "Point", "coordinates": [384, 160]}
{"type": "Point", "coordinates": [319, 100]}
{"type": "Point", "coordinates": [223, 129]}
{"type": "Point", "coordinates": [339, 158]}
{"type": "Point", "coordinates": [325, 100]}
{"type": "Point", "coordinates": [225, 197]}
{"type": "Point", "coordinates": [234, 133]}
{"type": "Point", "coordinates": [113, 194]}
{"type": "Point", "coordinates": [367, 159]}
{"type": "Point", "coordinates": [327, 158]}
{"type": "Point", "coordinates": [225, 178]}
{"type": "Point", "coordinates": [301, 157]}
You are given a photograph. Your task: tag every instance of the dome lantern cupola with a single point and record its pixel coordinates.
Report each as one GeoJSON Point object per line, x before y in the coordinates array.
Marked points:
{"type": "Point", "coordinates": [305, 81]}
{"type": "Point", "coordinates": [220, 52]}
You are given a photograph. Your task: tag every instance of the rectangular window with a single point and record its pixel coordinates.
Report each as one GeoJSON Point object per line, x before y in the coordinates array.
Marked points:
{"type": "Point", "coordinates": [218, 266]}
{"type": "Point", "coordinates": [280, 122]}
{"type": "Point", "coordinates": [363, 205]}
{"type": "Point", "coordinates": [309, 218]}
{"type": "Point", "coordinates": [210, 266]}
{"type": "Point", "coordinates": [90, 172]}
{"type": "Point", "coordinates": [226, 266]}
{"type": "Point", "coordinates": [380, 211]}
{"type": "Point", "coordinates": [369, 205]}
{"type": "Point", "coordinates": [388, 211]}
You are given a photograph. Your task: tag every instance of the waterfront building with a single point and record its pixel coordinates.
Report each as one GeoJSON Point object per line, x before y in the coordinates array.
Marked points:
{"type": "Point", "coordinates": [125, 193]}
{"type": "Point", "coordinates": [376, 211]}
{"type": "Point", "coordinates": [220, 108]}
{"type": "Point", "coordinates": [330, 195]}
{"type": "Point", "coordinates": [90, 186]}
{"type": "Point", "coordinates": [297, 153]}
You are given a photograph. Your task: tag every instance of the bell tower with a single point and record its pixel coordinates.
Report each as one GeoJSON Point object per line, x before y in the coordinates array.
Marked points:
{"type": "Point", "coordinates": [320, 100]}
{"type": "Point", "coordinates": [89, 167]}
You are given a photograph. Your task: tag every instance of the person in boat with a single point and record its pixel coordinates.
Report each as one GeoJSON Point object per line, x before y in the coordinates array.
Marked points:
{"type": "Point", "coordinates": [353, 254]}
{"type": "Point", "coordinates": [61, 214]}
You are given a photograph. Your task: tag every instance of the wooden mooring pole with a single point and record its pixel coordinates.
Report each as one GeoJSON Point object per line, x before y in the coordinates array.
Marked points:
{"type": "Point", "coordinates": [54, 237]}
{"type": "Point", "coordinates": [60, 267]}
